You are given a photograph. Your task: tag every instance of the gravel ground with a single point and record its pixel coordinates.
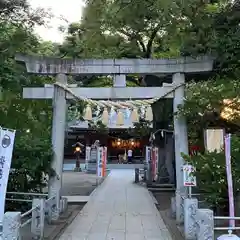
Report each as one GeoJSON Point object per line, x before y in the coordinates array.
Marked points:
{"type": "Point", "coordinates": [164, 207]}
{"type": "Point", "coordinates": [80, 184]}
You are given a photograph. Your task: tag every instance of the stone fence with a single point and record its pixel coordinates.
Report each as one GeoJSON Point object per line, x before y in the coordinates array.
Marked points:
{"type": "Point", "coordinates": [199, 223]}
{"type": "Point", "coordinates": [42, 210]}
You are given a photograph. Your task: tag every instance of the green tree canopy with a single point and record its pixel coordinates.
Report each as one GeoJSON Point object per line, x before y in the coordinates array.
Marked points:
{"type": "Point", "coordinates": [32, 151]}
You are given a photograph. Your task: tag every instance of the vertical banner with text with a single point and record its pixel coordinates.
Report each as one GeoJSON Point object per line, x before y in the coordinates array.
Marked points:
{"type": "Point", "coordinates": [148, 154]}
{"type": "Point", "coordinates": [99, 161]}
{"type": "Point", "coordinates": [7, 138]}
{"type": "Point", "coordinates": [104, 161]}
{"type": "Point", "coordinates": [227, 141]}
{"type": "Point", "coordinates": [154, 157]}
{"type": "Point", "coordinates": [87, 157]}
{"type": "Point", "coordinates": [156, 163]}
{"type": "Point", "coordinates": [153, 163]}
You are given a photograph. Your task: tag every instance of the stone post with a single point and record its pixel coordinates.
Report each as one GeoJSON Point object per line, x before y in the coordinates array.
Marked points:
{"type": "Point", "coordinates": [64, 204]}
{"type": "Point", "coordinates": [38, 217]}
{"type": "Point", "coordinates": [181, 143]}
{"type": "Point", "coordinates": [119, 80]}
{"type": "Point", "coordinates": [173, 207]}
{"type": "Point", "coordinates": [205, 223]}
{"type": "Point", "coordinates": [169, 158]}
{"type": "Point", "coordinates": [58, 134]}
{"type": "Point", "coordinates": [92, 161]}
{"type": "Point", "coordinates": [190, 226]}
{"type": "Point", "coordinates": [11, 226]}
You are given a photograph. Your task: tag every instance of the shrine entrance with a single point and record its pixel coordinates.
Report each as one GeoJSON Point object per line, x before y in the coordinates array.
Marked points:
{"type": "Point", "coordinates": [117, 138]}
{"type": "Point", "coordinates": [127, 98]}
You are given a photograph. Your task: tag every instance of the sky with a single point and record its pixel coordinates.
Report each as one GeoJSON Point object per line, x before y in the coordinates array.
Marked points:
{"type": "Point", "coordinates": [70, 10]}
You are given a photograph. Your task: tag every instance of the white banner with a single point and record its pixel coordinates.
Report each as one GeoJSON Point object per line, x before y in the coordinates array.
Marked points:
{"type": "Point", "coordinates": [6, 148]}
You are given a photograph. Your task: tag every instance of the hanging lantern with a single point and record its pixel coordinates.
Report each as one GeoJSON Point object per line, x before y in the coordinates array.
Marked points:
{"type": "Point", "coordinates": [120, 118]}
{"type": "Point", "coordinates": [149, 114]}
{"type": "Point", "coordinates": [105, 116]}
{"type": "Point", "coordinates": [134, 115]}
{"type": "Point", "coordinates": [88, 113]}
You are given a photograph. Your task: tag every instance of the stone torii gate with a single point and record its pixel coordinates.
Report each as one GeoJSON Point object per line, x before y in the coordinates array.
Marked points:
{"type": "Point", "coordinates": [119, 68]}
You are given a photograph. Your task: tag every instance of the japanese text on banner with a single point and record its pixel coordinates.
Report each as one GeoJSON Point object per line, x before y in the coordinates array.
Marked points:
{"type": "Point", "coordinates": [6, 148]}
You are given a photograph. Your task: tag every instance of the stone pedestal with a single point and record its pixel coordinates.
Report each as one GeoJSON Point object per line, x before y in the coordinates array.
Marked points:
{"type": "Point", "coordinates": [11, 225]}
{"type": "Point", "coordinates": [180, 207]}
{"type": "Point", "coordinates": [190, 227]}
{"type": "Point", "coordinates": [205, 224]}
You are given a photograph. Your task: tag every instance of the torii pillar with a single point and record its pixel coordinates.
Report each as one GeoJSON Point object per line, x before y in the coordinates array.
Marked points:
{"type": "Point", "coordinates": [181, 144]}
{"type": "Point", "coordinates": [58, 137]}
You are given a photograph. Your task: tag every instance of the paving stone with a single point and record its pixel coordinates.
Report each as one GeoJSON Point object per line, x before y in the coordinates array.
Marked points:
{"type": "Point", "coordinates": [118, 222]}
{"type": "Point", "coordinates": [97, 236]}
{"type": "Point", "coordinates": [119, 210]}
{"type": "Point", "coordinates": [135, 236]}
{"type": "Point", "coordinates": [116, 235]}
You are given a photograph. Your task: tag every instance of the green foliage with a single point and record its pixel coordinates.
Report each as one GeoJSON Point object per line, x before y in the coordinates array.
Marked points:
{"type": "Point", "coordinates": [98, 127]}
{"type": "Point", "coordinates": [19, 13]}
{"type": "Point", "coordinates": [211, 173]}
{"type": "Point", "coordinates": [205, 101]}
{"type": "Point", "coordinates": [216, 33]}
{"type": "Point", "coordinates": [139, 28]}
{"type": "Point", "coordinates": [140, 129]}
{"type": "Point", "coordinates": [207, 97]}
{"type": "Point", "coordinates": [32, 151]}
{"type": "Point", "coordinates": [31, 163]}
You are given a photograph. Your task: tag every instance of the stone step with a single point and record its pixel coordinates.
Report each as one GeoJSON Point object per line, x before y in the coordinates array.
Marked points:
{"type": "Point", "coordinates": [77, 199]}
{"type": "Point", "coordinates": [161, 189]}
{"type": "Point", "coordinates": [161, 185]}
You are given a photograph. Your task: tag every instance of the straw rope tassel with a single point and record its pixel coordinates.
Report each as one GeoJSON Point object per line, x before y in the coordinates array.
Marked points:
{"type": "Point", "coordinates": [105, 116]}
{"type": "Point", "coordinates": [120, 118]}
{"type": "Point", "coordinates": [88, 113]}
{"type": "Point", "coordinates": [134, 115]}
{"type": "Point", "coordinates": [149, 114]}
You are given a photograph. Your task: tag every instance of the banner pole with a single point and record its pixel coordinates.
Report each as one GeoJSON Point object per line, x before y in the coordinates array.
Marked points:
{"type": "Point", "coordinates": [227, 140]}
{"type": "Point", "coordinates": [1, 217]}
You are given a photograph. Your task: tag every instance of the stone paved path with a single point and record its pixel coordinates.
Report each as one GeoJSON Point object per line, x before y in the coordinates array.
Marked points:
{"type": "Point", "coordinates": [118, 210]}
